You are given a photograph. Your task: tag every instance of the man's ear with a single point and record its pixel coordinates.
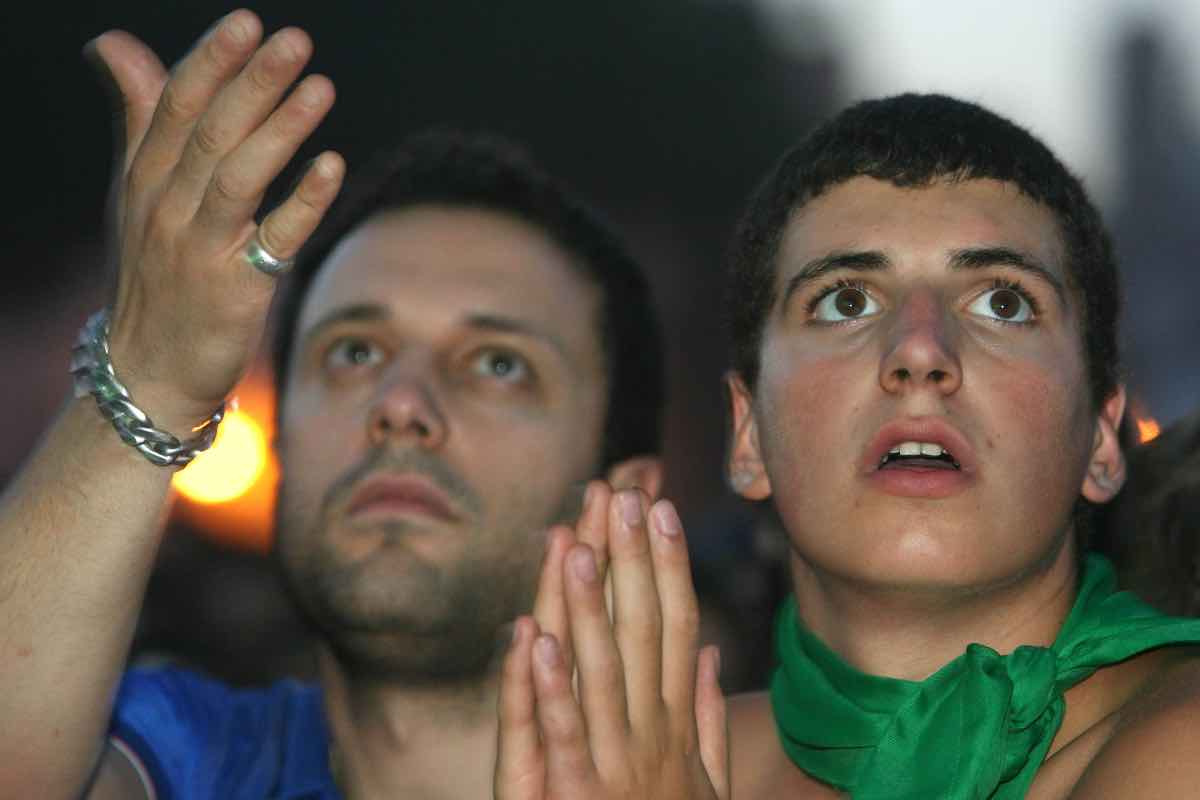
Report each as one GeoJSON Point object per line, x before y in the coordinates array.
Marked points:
{"type": "Point", "coordinates": [747, 475]}
{"type": "Point", "coordinates": [639, 472]}
{"type": "Point", "coordinates": [1106, 468]}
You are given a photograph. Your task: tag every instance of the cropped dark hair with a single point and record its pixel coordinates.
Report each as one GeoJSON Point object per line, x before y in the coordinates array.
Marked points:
{"type": "Point", "coordinates": [912, 141]}
{"type": "Point", "coordinates": [481, 171]}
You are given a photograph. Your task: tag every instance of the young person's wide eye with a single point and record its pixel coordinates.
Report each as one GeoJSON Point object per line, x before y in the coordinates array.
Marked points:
{"type": "Point", "coordinates": [350, 352]}
{"type": "Point", "coordinates": [843, 302]}
{"type": "Point", "coordinates": [1003, 302]}
{"type": "Point", "coordinates": [501, 365]}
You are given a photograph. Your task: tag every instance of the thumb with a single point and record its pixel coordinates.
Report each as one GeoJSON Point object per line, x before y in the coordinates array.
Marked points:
{"type": "Point", "coordinates": [711, 722]}
{"type": "Point", "coordinates": [134, 78]}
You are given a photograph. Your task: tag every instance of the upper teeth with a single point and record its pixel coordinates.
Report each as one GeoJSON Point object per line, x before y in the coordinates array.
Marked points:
{"type": "Point", "coordinates": [917, 449]}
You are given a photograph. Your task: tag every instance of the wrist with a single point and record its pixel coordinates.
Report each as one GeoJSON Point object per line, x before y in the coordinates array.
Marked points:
{"type": "Point", "coordinates": [95, 376]}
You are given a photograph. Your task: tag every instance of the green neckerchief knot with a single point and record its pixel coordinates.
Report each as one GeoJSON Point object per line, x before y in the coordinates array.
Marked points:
{"type": "Point", "coordinates": [977, 728]}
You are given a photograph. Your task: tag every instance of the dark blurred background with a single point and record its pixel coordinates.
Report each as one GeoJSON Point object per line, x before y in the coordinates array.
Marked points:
{"type": "Point", "coordinates": [662, 114]}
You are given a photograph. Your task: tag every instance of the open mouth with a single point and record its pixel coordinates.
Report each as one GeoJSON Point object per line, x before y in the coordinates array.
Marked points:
{"type": "Point", "coordinates": [919, 455]}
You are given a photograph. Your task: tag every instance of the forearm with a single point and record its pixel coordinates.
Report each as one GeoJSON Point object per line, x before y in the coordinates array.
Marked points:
{"type": "Point", "coordinates": [79, 529]}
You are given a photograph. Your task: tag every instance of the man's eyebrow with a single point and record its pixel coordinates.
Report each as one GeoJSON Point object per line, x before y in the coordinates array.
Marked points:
{"type": "Point", "coordinates": [983, 257]}
{"type": "Point", "coordinates": [359, 312]}
{"type": "Point", "coordinates": [502, 324]}
{"type": "Point", "coordinates": [855, 261]}
{"type": "Point", "coordinates": [374, 312]}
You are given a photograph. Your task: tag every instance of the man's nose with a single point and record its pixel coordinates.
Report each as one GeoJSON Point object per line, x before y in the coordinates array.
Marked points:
{"type": "Point", "coordinates": [406, 408]}
{"type": "Point", "coordinates": [921, 350]}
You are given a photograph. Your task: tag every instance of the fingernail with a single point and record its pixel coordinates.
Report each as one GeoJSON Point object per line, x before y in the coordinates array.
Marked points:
{"type": "Point", "coordinates": [630, 508]}
{"type": "Point", "coordinates": [516, 632]}
{"type": "Point", "coordinates": [325, 166]}
{"type": "Point", "coordinates": [589, 497]}
{"type": "Point", "coordinates": [584, 565]}
{"type": "Point", "coordinates": [547, 651]}
{"type": "Point", "coordinates": [667, 519]}
{"type": "Point", "coordinates": [717, 660]}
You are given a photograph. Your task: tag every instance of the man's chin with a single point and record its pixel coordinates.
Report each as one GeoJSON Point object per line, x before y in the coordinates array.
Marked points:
{"type": "Point", "coordinates": [406, 658]}
{"type": "Point", "coordinates": [929, 557]}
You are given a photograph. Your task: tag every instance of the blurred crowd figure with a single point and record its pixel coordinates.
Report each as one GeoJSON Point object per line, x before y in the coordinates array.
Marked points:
{"type": "Point", "coordinates": [1152, 528]}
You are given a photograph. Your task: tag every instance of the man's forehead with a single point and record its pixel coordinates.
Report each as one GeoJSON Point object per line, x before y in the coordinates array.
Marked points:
{"type": "Point", "coordinates": [938, 219]}
{"type": "Point", "coordinates": [445, 266]}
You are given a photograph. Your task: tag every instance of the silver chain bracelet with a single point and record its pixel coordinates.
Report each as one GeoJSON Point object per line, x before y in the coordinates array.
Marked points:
{"type": "Point", "coordinates": [94, 375]}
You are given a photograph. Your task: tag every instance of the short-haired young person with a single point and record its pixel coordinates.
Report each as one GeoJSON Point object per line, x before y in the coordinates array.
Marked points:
{"type": "Point", "coordinates": [459, 353]}
{"type": "Point", "coordinates": [925, 383]}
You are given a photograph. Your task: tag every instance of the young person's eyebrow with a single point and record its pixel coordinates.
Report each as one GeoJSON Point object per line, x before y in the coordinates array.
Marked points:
{"type": "Point", "coordinates": [855, 261]}
{"type": "Point", "coordinates": [983, 257]}
{"type": "Point", "coordinates": [358, 312]}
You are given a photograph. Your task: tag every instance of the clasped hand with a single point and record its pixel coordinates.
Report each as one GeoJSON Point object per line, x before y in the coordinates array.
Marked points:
{"type": "Point", "coordinates": [644, 717]}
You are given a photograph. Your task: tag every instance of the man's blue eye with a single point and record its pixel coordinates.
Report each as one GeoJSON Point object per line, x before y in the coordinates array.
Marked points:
{"type": "Point", "coordinates": [353, 352]}
{"type": "Point", "coordinates": [502, 365]}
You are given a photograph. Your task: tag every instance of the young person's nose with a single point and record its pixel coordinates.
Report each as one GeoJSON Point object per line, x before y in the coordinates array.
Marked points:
{"type": "Point", "coordinates": [921, 349]}
{"type": "Point", "coordinates": [406, 408]}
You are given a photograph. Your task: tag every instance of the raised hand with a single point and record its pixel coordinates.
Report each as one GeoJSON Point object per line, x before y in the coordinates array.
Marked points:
{"type": "Point", "coordinates": [201, 146]}
{"type": "Point", "coordinates": [648, 718]}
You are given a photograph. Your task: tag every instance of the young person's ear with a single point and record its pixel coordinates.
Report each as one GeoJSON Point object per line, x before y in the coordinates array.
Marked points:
{"type": "Point", "coordinates": [1106, 468]}
{"type": "Point", "coordinates": [639, 472]}
{"type": "Point", "coordinates": [747, 475]}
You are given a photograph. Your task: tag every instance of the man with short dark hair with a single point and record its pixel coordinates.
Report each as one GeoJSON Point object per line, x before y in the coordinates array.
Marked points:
{"type": "Point", "coordinates": [926, 385]}
{"type": "Point", "coordinates": [461, 350]}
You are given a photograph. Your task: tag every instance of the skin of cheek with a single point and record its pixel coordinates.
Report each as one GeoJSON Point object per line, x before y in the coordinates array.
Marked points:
{"type": "Point", "coordinates": [317, 445]}
{"type": "Point", "coordinates": [805, 400]}
{"type": "Point", "coordinates": [1042, 405]}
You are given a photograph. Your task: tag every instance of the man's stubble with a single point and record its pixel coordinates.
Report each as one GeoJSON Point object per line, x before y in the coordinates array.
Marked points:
{"type": "Point", "coordinates": [396, 615]}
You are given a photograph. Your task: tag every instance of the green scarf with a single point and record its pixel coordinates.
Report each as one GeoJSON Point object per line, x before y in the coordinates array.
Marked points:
{"type": "Point", "coordinates": [977, 728]}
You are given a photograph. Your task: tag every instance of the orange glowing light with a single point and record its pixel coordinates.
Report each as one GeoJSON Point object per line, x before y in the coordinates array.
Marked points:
{"type": "Point", "coordinates": [228, 493]}
{"type": "Point", "coordinates": [1147, 429]}
{"type": "Point", "coordinates": [231, 466]}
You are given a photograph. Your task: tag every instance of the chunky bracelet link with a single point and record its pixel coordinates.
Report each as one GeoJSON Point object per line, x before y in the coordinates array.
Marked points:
{"type": "Point", "coordinates": [94, 375]}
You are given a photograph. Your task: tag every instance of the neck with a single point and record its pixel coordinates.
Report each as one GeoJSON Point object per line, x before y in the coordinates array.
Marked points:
{"type": "Point", "coordinates": [392, 740]}
{"type": "Point", "coordinates": [910, 633]}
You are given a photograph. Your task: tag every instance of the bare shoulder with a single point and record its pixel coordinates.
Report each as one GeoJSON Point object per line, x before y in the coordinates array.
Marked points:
{"type": "Point", "coordinates": [759, 766]}
{"type": "Point", "coordinates": [750, 716]}
{"type": "Point", "coordinates": [754, 750]}
{"type": "Point", "coordinates": [1154, 747]}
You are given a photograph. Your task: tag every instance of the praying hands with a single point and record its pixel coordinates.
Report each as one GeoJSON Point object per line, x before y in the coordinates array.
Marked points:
{"type": "Point", "coordinates": [646, 717]}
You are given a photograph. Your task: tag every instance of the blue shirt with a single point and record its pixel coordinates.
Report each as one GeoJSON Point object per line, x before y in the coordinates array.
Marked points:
{"type": "Point", "coordinates": [201, 740]}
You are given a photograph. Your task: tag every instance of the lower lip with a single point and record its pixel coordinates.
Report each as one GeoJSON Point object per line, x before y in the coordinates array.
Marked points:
{"type": "Point", "coordinates": [931, 483]}
{"type": "Point", "coordinates": [385, 509]}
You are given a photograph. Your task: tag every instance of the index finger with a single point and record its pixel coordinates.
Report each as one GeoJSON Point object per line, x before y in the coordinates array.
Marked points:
{"type": "Point", "coordinates": [520, 763]}
{"type": "Point", "coordinates": [550, 604]}
{"type": "Point", "coordinates": [680, 614]}
{"type": "Point", "coordinates": [592, 528]}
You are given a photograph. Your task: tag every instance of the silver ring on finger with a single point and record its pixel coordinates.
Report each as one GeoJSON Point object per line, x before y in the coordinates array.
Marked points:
{"type": "Point", "coordinates": [262, 260]}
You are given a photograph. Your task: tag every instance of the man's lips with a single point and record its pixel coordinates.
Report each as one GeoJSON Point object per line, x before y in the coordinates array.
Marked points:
{"type": "Point", "coordinates": [400, 495]}
{"type": "Point", "coordinates": [925, 430]}
{"type": "Point", "coordinates": [922, 477]}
